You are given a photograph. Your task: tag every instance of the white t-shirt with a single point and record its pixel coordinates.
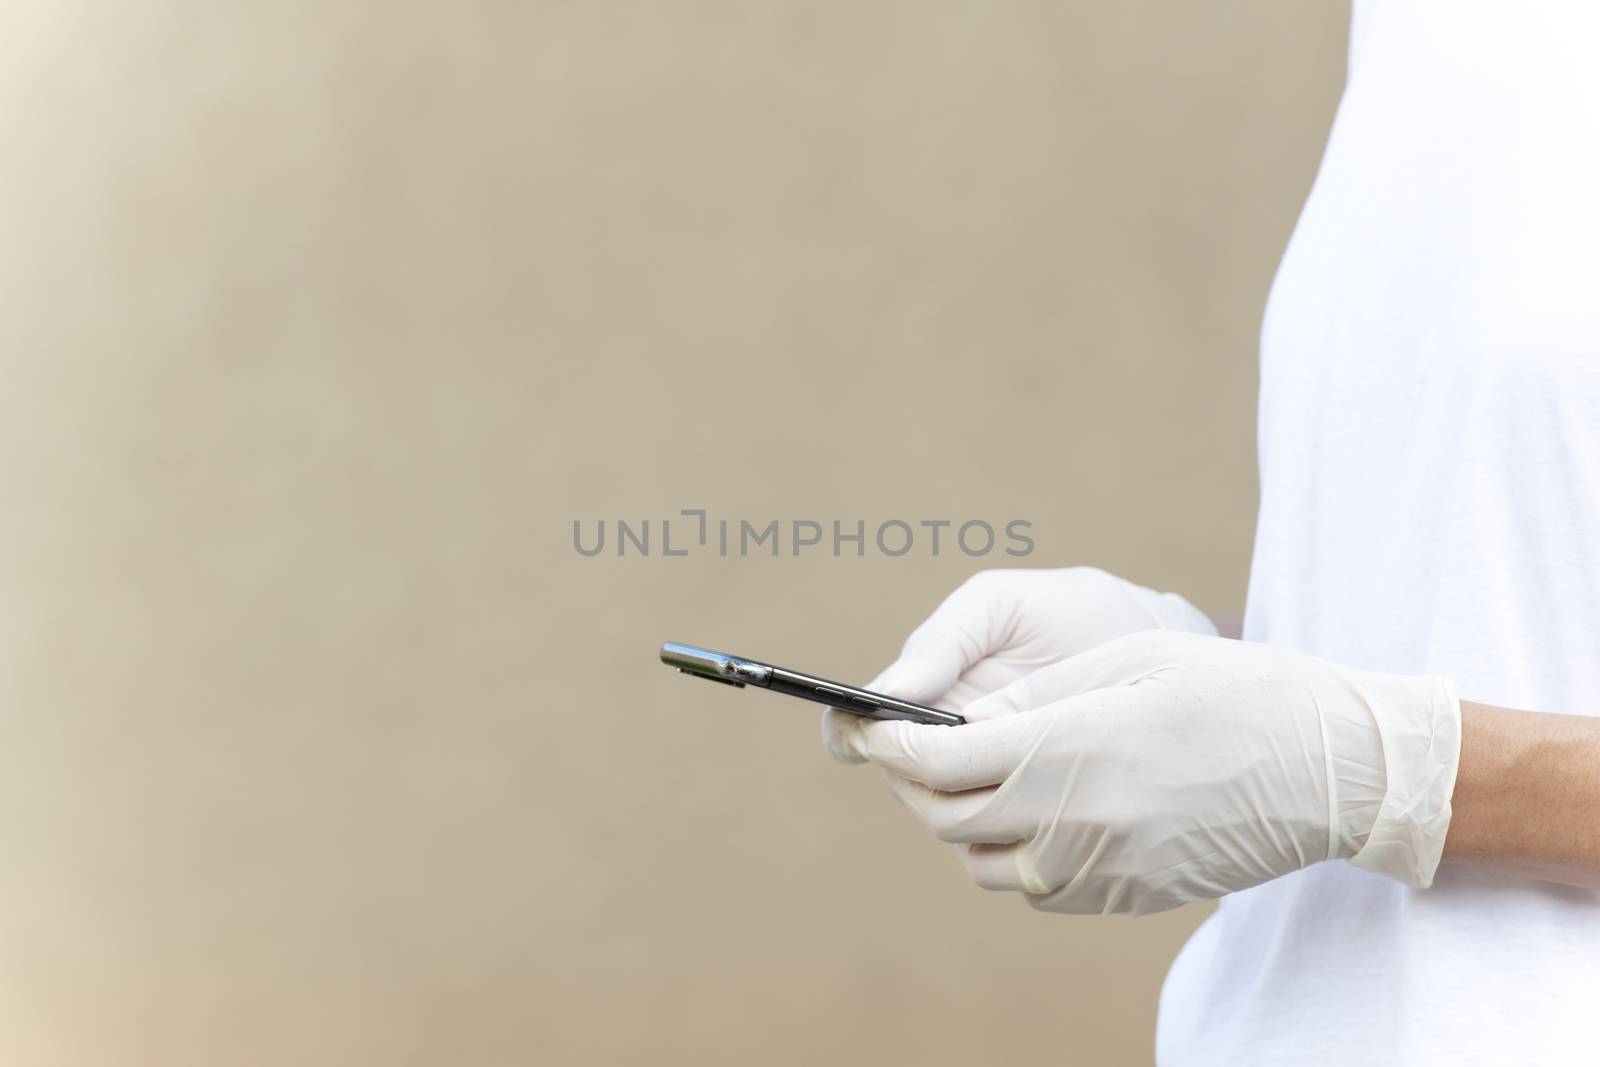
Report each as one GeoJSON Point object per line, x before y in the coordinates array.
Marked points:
{"type": "Point", "coordinates": [1430, 504]}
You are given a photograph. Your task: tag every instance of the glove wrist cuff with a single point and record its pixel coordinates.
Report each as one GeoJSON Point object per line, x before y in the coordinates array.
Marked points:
{"type": "Point", "coordinates": [1421, 739]}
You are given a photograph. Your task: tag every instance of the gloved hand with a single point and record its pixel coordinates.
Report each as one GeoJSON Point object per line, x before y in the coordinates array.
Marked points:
{"type": "Point", "coordinates": [1003, 625]}
{"type": "Point", "coordinates": [1164, 768]}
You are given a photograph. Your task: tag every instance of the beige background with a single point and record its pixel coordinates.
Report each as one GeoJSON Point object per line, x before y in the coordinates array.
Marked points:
{"type": "Point", "coordinates": [321, 323]}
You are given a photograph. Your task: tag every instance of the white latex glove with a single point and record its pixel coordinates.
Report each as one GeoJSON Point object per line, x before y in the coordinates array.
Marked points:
{"type": "Point", "coordinates": [1003, 625]}
{"type": "Point", "coordinates": [1165, 768]}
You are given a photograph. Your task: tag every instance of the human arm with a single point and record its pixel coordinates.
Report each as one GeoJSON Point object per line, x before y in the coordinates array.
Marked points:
{"type": "Point", "coordinates": [1527, 795]}
{"type": "Point", "coordinates": [1164, 768]}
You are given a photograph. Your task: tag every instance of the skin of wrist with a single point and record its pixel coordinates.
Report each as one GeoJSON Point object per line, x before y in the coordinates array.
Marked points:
{"type": "Point", "coordinates": [1526, 799]}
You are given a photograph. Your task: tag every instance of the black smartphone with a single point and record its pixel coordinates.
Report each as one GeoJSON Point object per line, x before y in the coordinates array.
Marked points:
{"type": "Point", "coordinates": [740, 672]}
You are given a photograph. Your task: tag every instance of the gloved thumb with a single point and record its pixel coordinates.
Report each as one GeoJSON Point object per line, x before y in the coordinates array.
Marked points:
{"type": "Point", "coordinates": [929, 665]}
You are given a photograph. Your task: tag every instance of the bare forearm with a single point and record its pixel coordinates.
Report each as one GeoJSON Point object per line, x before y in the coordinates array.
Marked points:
{"type": "Point", "coordinates": [1527, 796]}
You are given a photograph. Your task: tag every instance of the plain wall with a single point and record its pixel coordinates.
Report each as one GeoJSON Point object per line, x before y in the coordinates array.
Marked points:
{"type": "Point", "coordinates": [321, 324]}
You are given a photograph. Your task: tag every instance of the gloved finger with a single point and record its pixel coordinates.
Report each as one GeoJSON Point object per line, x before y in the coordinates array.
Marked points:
{"type": "Point", "coordinates": [906, 679]}
{"type": "Point", "coordinates": [836, 727]}
{"type": "Point", "coordinates": [1122, 662]}
{"type": "Point", "coordinates": [1007, 867]}
{"type": "Point", "coordinates": [966, 817]}
{"type": "Point", "coordinates": [931, 661]}
{"type": "Point", "coordinates": [949, 758]}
